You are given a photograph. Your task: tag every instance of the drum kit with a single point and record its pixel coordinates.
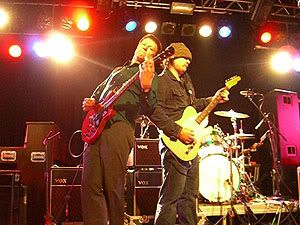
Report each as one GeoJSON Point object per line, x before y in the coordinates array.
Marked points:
{"type": "Point", "coordinates": [223, 159]}
{"type": "Point", "coordinates": [222, 174]}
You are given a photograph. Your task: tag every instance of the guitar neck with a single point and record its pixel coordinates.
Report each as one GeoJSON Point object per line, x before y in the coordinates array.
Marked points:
{"type": "Point", "coordinates": [201, 116]}
{"type": "Point", "coordinates": [120, 91]}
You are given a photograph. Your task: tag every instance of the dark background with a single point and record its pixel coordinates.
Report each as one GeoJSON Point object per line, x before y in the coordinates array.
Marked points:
{"type": "Point", "coordinates": [35, 89]}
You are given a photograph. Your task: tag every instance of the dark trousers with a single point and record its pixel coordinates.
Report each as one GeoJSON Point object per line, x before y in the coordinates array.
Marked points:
{"type": "Point", "coordinates": [178, 192]}
{"type": "Point", "coordinates": [103, 176]}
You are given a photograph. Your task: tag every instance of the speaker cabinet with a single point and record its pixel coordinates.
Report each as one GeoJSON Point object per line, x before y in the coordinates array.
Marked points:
{"type": "Point", "coordinates": [142, 190]}
{"type": "Point", "coordinates": [284, 106]}
{"type": "Point", "coordinates": [13, 208]}
{"type": "Point", "coordinates": [65, 198]}
{"type": "Point", "coordinates": [146, 153]}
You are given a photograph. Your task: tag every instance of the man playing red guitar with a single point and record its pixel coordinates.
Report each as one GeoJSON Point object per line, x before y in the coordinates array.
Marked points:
{"type": "Point", "coordinates": [104, 160]}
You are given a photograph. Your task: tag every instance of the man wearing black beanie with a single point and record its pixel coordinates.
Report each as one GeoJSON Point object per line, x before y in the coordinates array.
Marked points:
{"type": "Point", "coordinates": [180, 177]}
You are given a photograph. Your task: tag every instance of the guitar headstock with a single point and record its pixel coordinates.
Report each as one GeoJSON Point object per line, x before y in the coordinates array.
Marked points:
{"type": "Point", "coordinates": [229, 83]}
{"type": "Point", "coordinates": [164, 54]}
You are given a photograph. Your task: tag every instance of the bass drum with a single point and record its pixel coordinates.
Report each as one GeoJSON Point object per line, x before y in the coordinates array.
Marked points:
{"type": "Point", "coordinates": [214, 177]}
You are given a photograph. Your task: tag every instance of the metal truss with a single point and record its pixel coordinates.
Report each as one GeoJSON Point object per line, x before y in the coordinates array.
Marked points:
{"type": "Point", "coordinates": [281, 8]}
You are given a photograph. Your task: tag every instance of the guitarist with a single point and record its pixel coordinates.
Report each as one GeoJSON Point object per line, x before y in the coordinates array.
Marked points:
{"type": "Point", "coordinates": [180, 178]}
{"type": "Point", "coordinates": [104, 161]}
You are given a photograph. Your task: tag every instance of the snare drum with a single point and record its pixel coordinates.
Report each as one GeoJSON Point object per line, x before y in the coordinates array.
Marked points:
{"type": "Point", "coordinates": [214, 177]}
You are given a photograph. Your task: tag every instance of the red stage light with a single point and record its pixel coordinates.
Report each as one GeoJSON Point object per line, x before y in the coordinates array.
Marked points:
{"type": "Point", "coordinates": [266, 37]}
{"type": "Point", "coordinates": [15, 51]}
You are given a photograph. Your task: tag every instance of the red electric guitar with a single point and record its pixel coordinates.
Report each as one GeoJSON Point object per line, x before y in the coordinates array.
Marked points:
{"type": "Point", "coordinates": [97, 117]}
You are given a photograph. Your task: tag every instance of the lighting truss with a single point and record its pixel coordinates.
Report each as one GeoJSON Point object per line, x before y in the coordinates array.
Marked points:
{"type": "Point", "coordinates": [281, 8]}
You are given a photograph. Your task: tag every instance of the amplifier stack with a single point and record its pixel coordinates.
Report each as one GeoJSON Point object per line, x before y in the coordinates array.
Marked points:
{"type": "Point", "coordinates": [143, 179]}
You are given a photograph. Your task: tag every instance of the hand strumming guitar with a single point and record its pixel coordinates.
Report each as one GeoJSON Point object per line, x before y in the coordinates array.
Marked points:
{"type": "Point", "coordinates": [186, 135]}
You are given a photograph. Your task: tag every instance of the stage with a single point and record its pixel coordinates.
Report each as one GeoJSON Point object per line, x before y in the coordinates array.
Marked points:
{"type": "Point", "coordinates": [257, 211]}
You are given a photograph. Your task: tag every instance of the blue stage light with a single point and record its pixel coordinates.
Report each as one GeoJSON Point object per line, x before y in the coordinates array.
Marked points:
{"type": "Point", "coordinates": [131, 26]}
{"type": "Point", "coordinates": [225, 31]}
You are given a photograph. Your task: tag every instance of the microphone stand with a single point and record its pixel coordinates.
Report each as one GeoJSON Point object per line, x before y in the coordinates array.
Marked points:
{"type": "Point", "coordinates": [274, 147]}
{"type": "Point", "coordinates": [48, 217]}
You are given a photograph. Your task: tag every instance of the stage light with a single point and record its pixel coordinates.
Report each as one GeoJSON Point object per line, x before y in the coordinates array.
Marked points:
{"type": "Point", "coordinates": [4, 18]}
{"type": "Point", "coordinates": [41, 49]}
{"type": "Point", "coordinates": [205, 31]}
{"type": "Point", "coordinates": [266, 37]}
{"type": "Point", "coordinates": [168, 28]}
{"type": "Point", "coordinates": [281, 62]}
{"type": "Point", "coordinates": [188, 29]}
{"type": "Point", "coordinates": [83, 23]}
{"type": "Point", "coordinates": [182, 8]}
{"type": "Point", "coordinates": [131, 26]}
{"type": "Point", "coordinates": [66, 23]}
{"type": "Point", "coordinates": [296, 64]}
{"type": "Point", "coordinates": [150, 27]}
{"type": "Point", "coordinates": [224, 31]}
{"type": "Point", "coordinates": [61, 48]}
{"type": "Point", "coordinates": [15, 51]}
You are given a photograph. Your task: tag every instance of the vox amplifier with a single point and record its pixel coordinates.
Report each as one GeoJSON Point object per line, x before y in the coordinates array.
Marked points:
{"type": "Point", "coordinates": [146, 153]}
{"type": "Point", "coordinates": [142, 189]}
{"type": "Point", "coordinates": [65, 198]}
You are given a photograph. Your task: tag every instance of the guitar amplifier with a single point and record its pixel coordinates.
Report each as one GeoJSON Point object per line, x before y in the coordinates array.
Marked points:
{"type": "Point", "coordinates": [142, 190]}
{"type": "Point", "coordinates": [146, 153]}
{"type": "Point", "coordinates": [65, 198]}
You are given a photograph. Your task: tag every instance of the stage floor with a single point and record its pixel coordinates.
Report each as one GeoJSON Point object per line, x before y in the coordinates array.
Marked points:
{"type": "Point", "coordinates": [259, 211]}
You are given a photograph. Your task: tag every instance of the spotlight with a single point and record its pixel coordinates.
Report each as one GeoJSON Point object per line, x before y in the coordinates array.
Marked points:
{"type": "Point", "coordinates": [83, 23]}
{"type": "Point", "coordinates": [182, 8]}
{"type": "Point", "coordinates": [224, 31]}
{"type": "Point", "coordinates": [296, 64]}
{"type": "Point", "coordinates": [131, 26]}
{"type": "Point", "coordinates": [150, 27]}
{"type": "Point", "coordinates": [66, 23]}
{"type": "Point", "coordinates": [15, 51]}
{"type": "Point", "coordinates": [281, 62]}
{"type": "Point", "coordinates": [168, 28]}
{"type": "Point", "coordinates": [188, 29]}
{"type": "Point", "coordinates": [266, 37]}
{"type": "Point", "coordinates": [3, 18]}
{"type": "Point", "coordinates": [205, 31]}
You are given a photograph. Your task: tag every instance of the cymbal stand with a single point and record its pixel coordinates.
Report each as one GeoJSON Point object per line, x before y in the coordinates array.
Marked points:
{"type": "Point", "coordinates": [232, 147]}
{"type": "Point", "coordinates": [235, 128]}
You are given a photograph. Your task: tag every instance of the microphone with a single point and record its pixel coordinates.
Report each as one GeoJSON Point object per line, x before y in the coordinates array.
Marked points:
{"type": "Point", "coordinates": [249, 92]}
{"type": "Point", "coordinates": [264, 136]}
{"type": "Point", "coordinates": [46, 138]}
{"type": "Point", "coordinates": [262, 120]}
{"type": "Point", "coordinates": [50, 136]}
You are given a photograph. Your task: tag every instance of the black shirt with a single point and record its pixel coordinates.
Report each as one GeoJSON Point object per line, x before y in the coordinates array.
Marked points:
{"type": "Point", "coordinates": [172, 98]}
{"type": "Point", "coordinates": [131, 103]}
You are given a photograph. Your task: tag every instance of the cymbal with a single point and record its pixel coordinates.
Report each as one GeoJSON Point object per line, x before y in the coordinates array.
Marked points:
{"type": "Point", "coordinates": [144, 120]}
{"type": "Point", "coordinates": [231, 114]}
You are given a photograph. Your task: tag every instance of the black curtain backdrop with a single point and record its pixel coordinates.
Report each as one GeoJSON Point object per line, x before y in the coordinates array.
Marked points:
{"type": "Point", "coordinates": [35, 89]}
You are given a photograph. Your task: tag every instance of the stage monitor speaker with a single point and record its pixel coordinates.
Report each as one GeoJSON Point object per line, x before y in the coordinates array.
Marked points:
{"type": "Point", "coordinates": [284, 105]}
{"type": "Point", "coordinates": [142, 190]}
{"type": "Point", "coordinates": [65, 198]}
